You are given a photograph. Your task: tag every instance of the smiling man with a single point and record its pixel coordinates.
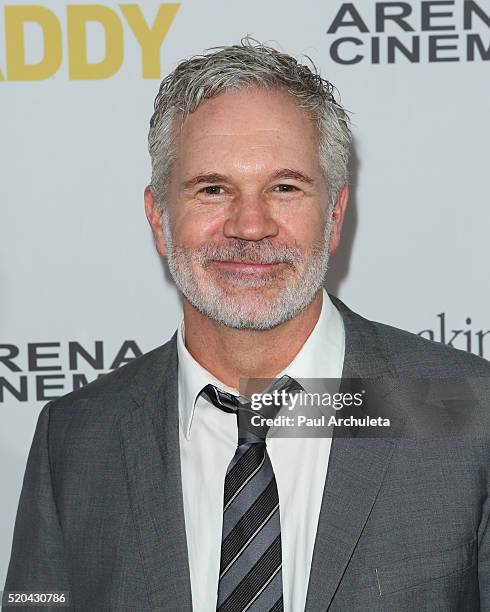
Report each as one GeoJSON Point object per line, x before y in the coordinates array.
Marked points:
{"type": "Point", "coordinates": [146, 491]}
{"type": "Point", "coordinates": [248, 228]}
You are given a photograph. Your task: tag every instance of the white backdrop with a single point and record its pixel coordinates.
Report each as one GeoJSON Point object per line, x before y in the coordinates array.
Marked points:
{"type": "Point", "coordinates": [77, 263]}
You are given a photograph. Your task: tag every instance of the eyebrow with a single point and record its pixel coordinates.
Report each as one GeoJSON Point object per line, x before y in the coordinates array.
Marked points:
{"type": "Point", "coordinates": [211, 177]}
{"type": "Point", "coordinates": [288, 173]}
{"type": "Point", "coordinates": [214, 177]}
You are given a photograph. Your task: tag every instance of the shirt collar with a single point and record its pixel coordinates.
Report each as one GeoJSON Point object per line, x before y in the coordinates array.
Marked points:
{"type": "Point", "coordinates": [321, 356]}
{"type": "Point", "coordinates": [192, 377]}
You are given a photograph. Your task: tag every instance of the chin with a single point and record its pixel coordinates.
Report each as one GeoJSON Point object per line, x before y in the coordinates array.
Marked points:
{"type": "Point", "coordinates": [256, 312]}
{"type": "Point", "coordinates": [254, 301]}
{"type": "Point", "coordinates": [248, 302]}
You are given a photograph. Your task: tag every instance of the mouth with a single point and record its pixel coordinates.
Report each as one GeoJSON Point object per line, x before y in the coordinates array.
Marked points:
{"type": "Point", "coordinates": [245, 267]}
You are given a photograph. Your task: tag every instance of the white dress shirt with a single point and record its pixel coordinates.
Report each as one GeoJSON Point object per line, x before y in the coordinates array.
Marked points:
{"type": "Point", "coordinates": [208, 440]}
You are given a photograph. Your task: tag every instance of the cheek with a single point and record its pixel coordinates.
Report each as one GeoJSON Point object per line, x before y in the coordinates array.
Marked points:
{"type": "Point", "coordinates": [195, 226]}
{"type": "Point", "coordinates": [303, 227]}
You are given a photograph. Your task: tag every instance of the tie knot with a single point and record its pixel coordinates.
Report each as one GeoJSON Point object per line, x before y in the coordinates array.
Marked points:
{"type": "Point", "coordinates": [222, 400]}
{"type": "Point", "coordinates": [249, 429]}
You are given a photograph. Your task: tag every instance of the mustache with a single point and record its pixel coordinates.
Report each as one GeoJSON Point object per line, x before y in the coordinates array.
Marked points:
{"type": "Point", "coordinates": [264, 251]}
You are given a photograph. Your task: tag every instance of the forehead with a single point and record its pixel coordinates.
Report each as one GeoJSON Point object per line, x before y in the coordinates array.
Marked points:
{"type": "Point", "coordinates": [248, 127]}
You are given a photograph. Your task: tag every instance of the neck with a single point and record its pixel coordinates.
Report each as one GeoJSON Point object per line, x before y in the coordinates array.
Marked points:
{"type": "Point", "coordinates": [254, 353]}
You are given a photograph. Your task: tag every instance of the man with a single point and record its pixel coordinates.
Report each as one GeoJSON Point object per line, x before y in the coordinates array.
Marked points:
{"type": "Point", "coordinates": [141, 493]}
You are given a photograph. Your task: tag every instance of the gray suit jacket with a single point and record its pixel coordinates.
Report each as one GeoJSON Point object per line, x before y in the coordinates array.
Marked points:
{"type": "Point", "coordinates": [403, 523]}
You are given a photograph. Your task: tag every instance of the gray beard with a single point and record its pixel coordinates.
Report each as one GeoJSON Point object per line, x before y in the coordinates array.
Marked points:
{"type": "Point", "coordinates": [260, 314]}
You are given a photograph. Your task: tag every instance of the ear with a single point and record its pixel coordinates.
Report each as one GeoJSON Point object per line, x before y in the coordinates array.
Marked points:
{"type": "Point", "coordinates": [154, 217]}
{"type": "Point", "coordinates": [338, 218]}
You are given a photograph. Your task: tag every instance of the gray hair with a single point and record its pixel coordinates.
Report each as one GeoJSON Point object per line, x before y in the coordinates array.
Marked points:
{"type": "Point", "coordinates": [249, 64]}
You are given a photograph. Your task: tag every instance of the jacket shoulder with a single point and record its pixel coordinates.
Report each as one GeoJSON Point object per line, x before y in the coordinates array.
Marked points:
{"type": "Point", "coordinates": [411, 351]}
{"type": "Point", "coordinates": [113, 390]}
{"type": "Point", "coordinates": [411, 354]}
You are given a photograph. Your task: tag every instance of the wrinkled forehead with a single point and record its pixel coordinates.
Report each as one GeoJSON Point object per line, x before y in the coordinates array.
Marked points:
{"type": "Point", "coordinates": [252, 125]}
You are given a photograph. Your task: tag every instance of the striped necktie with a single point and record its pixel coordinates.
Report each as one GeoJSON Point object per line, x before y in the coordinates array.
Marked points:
{"type": "Point", "coordinates": [250, 577]}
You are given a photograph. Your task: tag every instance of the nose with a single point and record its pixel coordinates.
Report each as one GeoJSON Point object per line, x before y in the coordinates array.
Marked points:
{"type": "Point", "coordinates": [250, 219]}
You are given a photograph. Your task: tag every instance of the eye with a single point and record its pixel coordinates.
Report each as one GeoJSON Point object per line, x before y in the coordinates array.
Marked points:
{"type": "Point", "coordinates": [285, 188]}
{"type": "Point", "coordinates": [212, 190]}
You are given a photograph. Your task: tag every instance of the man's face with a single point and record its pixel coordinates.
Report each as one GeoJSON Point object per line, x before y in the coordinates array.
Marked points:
{"type": "Point", "coordinates": [246, 227]}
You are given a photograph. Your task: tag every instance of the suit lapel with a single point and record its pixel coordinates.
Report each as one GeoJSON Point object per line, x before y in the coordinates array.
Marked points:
{"type": "Point", "coordinates": [355, 473]}
{"type": "Point", "coordinates": [150, 440]}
